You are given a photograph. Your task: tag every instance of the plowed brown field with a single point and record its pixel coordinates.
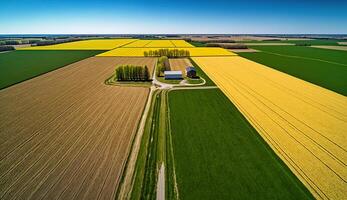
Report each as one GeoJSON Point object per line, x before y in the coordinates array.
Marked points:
{"type": "Point", "coordinates": [66, 135]}
{"type": "Point", "coordinates": [179, 64]}
{"type": "Point", "coordinates": [306, 125]}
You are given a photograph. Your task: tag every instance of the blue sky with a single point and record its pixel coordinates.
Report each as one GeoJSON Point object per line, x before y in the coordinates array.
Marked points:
{"type": "Point", "coordinates": [175, 16]}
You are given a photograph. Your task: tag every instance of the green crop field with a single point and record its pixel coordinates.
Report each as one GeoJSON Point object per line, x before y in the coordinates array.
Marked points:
{"type": "Point", "coordinates": [198, 44]}
{"type": "Point", "coordinates": [219, 155]}
{"type": "Point", "coordinates": [323, 67]}
{"type": "Point", "coordinates": [300, 42]}
{"type": "Point", "coordinates": [17, 66]}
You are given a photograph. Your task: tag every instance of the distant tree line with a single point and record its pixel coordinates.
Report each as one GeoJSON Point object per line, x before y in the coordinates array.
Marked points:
{"type": "Point", "coordinates": [162, 65]}
{"type": "Point", "coordinates": [132, 73]}
{"type": "Point", "coordinates": [170, 53]}
{"type": "Point", "coordinates": [56, 41]}
{"type": "Point", "coordinates": [18, 42]}
{"type": "Point", "coordinates": [302, 44]}
{"type": "Point", "coordinates": [271, 40]}
{"type": "Point", "coordinates": [228, 45]}
{"type": "Point", "coordinates": [7, 48]}
{"type": "Point", "coordinates": [214, 40]}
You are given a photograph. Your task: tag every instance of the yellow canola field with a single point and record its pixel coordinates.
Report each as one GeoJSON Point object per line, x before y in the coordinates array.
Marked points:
{"type": "Point", "coordinates": [138, 43]}
{"type": "Point", "coordinates": [102, 44]}
{"type": "Point", "coordinates": [181, 43]}
{"type": "Point", "coordinates": [304, 124]}
{"type": "Point", "coordinates": [160, 44]}
{"type": "Point", "coordinates": [198, 51]}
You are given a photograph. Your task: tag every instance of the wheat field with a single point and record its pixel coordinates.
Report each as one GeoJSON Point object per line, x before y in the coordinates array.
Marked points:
{"type": "Point", "coordinates": [304, 124]}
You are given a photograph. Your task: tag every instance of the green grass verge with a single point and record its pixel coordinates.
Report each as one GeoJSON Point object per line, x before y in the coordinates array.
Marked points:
{"type": "Point", "coordinates": [198, 44]}
{"type": "Point", "coordinates": [18, 66]}
{"type": "Point", "coordinates": [324, 67]}
{"type": "Point", "coordinates": [169, 81]}
{"type": "Point", "coordinates": [112, 81]}
{"type": "Point", "coordinates": [170, 181]}
{"type": "Point", "coordinates": [219, 155]}
{"type": "Point", "coordinates": [194, 81]}
{"type": "Point", "coordinates": [152, 150]}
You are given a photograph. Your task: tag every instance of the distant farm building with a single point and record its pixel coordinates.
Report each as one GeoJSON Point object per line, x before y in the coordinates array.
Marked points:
{"type": "Point", "coordinates": [173, 74]}
{"type": "Point", "coordinates": [190, 72]}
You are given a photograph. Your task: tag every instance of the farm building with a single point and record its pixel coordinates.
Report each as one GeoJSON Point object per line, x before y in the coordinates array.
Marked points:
{"type": "Point", "coordinates": [190, 72]}
{"type": "Point", "coordinates": [173, 74]}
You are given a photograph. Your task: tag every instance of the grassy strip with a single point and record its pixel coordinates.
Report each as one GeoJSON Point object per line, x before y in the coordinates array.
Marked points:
{"type": "Point", "coordinates": [152, 150]}
{"type": "Point", "coordinates": [142, 158]}
{"type": "Point", "coordinates": [112, 81]}
{"type": "Point", "coordinates": [194, 81]}
{"type": "Point", "coordinates": [18, 66]}
{"type": "Point", "coordinates": [313, 65]}
{"type": "Point", "coordinates": [131, 147]}
{"type": "Point", "coordinates": [328, 55]}
{"type": "Point", "coordinates": [300, 42]}
{"type": "Point", "coordinates": [198, 44]}
{"type": "Point", "coordinates": [169, 81]}
{"type": "Point", "coordinates": [219, 155]}
{"type": "Point", "coordinates": [170, 180]}
{"type": "Point", "coordinates": [202, 74]}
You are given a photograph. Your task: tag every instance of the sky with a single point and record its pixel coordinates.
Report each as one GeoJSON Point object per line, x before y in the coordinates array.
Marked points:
{"type": "Point", "coordinates": [173, 17]}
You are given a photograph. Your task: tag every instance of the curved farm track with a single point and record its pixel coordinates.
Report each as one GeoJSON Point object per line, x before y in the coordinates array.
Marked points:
{"type": "Point", "coordinates": [66, 135]}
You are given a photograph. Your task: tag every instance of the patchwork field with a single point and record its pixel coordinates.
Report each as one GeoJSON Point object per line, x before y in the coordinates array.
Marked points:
{"type": "Point", "coordinates": [158, 44]}
{"type": "Point", "coordinates": [268, 44]}
{"type": "Point", "coordinates": [324, 67]}
{"type": "Point", "coordinates": [303, 123]}
{"type": "Point", "coordinates": [100, 44]}
{"type": "Point", "coordinates": [342, 48]}
{"type": "Point", "coordinates": [301, 41]}
{"type": "Point", "coordinates": [181, 43]}
{"type": "Point", "coordinates": [138, 43]}
{"type": "Point", "coordinates": [139, 52]}
{"type": "Point", "coordinates": [82, 131]}
{"type": "Point", "coordinates": [179, 64]}
{"type": "Point", "coordinates": [17, 66]}
{"type": "Point", "coordinates": [219, 155]}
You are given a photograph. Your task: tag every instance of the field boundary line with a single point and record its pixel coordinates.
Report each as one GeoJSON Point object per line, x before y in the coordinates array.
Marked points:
{"type": "Point", "coordinates": [171, 146]}
{"type": "Point", "coordinates": [253, 93]}
{"type": "Point", "coordinates": [118, 149]}
{"type": "Point", "coordinates": [294, 168]}
{"type": "Point", "coordinates": [306, 58]}
{"type": "Point", "coordinates": [128, 170]}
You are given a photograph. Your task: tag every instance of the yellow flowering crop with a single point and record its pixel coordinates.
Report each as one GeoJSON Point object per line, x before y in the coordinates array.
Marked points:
{"type": "Point", "coordinates": [305, 124]}
{"type": "Point", "coordinates": [158, 44]}
{"type": "Point", "coordinates": [102, 44]}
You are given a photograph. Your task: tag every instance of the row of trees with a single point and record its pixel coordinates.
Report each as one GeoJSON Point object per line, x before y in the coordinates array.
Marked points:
{"type": "Point", "coordinates": [19, 41]}
{"type": "Point", "coordinates": [215, 40]}
{"type": "Point", "coordinates": [56, 41]}
{"type": "Point", "coordinates": [162, 65]}
{"type": "Point", "coordinates": [171, 53]}
{"type": "Point", "coordinates": [132, 73]}
{"type": "Point", "coordinates": [228, 45]}
{"type": "Point", "coordinates": [7, 48]}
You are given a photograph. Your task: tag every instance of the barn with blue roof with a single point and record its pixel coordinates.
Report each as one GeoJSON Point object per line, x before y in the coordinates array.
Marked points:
{"type": "Point", "coordinates": [190, 72]}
